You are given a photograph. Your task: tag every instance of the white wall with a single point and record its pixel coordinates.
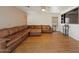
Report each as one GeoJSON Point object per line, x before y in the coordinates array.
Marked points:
{"type": "Point", "coordinates": [40, 18]}
{"type": "Point", "coordinates": [74, 28]}
{"type": "Point", "coordinates": [74, 31]}
{"type": "Point", "coordinates": [11, 17]}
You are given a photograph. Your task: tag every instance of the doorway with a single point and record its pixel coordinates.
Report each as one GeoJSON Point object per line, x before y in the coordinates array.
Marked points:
{"type": "Point", "coordinates": [54, 23]}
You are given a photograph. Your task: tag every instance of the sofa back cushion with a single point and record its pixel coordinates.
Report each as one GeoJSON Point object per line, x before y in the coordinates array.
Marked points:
{"type": "Point", "coordinates": [4, 33]}
{"type": "Point", "coordinates": [31, 26]}
{"type": "Point", "coordinates": [34, 26]}
{"type": "Point", "coordinates": [13, 30]}
{"type": "Point", "coordinates": [20, 28]}
{"type": "Point", "coordinates": [37, 26]}
{"type": "Point", "coordinates": [9, 31]}
{"type": "Point", "coordinates": [16, 29]}
{"type": "Point", "coordinates": [24, 27]}
{"type": "Point", "coordinates": [46, 27]}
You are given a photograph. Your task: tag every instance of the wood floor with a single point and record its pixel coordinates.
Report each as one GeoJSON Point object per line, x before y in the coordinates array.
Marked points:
{"type": "Point", "coordinates": [48, 43]}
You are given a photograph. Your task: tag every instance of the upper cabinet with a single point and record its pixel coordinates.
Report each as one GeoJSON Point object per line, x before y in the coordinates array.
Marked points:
{"type": "Point", "coordinates": [71, 17]}
{"type": "Point", "coordinates": [63, 18]}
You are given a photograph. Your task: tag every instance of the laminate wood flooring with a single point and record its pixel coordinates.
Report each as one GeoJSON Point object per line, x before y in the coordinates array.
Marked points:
{"type": "Point", "coordinates": [54, 42]}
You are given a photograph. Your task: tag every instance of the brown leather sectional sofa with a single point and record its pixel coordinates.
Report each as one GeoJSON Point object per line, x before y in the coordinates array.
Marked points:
{"type": "Point", "coordinates": [43, 28]}
{"type": "Point", "coordinates": [11, 37]}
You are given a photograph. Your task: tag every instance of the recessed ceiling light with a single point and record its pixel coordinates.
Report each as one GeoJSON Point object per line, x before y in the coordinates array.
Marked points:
{"type": "Point", "coordinates": [43, 9]}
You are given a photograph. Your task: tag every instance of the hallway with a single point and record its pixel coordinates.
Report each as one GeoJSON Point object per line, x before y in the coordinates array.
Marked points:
{"type": "Point", "coordinates": [48, 43]}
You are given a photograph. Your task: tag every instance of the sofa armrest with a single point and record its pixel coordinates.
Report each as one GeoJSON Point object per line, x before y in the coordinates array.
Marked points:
{"type": "Point", "coordinates": [3, 42]}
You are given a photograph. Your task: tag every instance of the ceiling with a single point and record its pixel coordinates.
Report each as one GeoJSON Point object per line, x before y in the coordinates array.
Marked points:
{"type": "Point", "coordinates": [49, 9]}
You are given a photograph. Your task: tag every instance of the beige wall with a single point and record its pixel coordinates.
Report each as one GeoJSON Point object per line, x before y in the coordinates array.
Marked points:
{"type": "Point", "coordinates": [11, 17]}
{"type": "Point", "coordinates": [40, 18]}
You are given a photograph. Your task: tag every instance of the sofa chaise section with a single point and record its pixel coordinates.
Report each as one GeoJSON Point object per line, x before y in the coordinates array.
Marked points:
{"type": "Point", "coordinates": [11, 37]}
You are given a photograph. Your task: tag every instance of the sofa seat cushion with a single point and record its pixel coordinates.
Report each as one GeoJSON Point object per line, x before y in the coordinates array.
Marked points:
{"type": "Point", "coordinates": [35, 32]}
{"type": "Point", "coordinates": [15, 44]}
{"type": "Point", "coordinates": [14, 38]}
{"type": "Point", "coordinates": [47, 31]}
